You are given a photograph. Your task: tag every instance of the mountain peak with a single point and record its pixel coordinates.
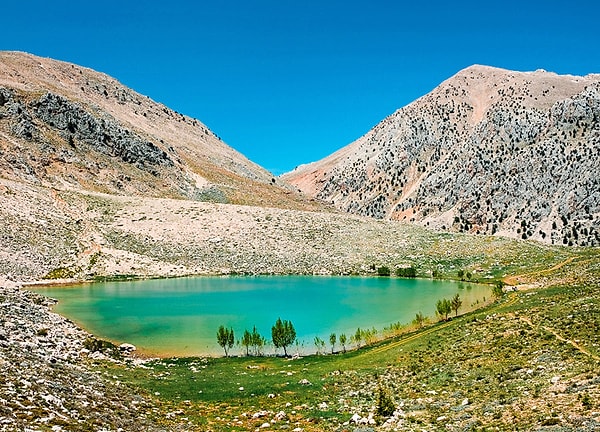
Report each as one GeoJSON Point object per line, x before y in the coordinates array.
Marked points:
{"type": "Point", "coordinates": [487, 151]}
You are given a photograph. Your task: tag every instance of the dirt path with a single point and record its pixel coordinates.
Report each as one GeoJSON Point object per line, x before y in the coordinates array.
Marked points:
{"type": "Point", "coordinates": [514, 280]}
{"type": "Point", "coordinates": [562, 339]}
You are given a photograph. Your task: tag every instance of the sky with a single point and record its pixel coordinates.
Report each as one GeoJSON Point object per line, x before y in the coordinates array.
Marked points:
{"type": "Point", "coordinates": [290, 82]}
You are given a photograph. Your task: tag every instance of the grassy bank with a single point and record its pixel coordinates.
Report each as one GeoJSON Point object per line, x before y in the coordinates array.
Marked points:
{"type": "Point", "coordinates": [527, 361]}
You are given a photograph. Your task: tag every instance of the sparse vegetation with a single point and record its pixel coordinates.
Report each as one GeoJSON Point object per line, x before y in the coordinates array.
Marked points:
{"type": "Point", "coordinates": [60, 273]}
{"type": "Point", "coordinates": [528, 361]}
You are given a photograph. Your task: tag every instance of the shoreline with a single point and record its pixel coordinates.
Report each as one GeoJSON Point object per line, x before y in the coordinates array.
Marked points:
{"type": "Point", "coordinates": [306, 345]}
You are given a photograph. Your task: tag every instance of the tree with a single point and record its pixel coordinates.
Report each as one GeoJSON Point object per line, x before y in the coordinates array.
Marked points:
{"type": "Point", "coordinates": [407, 272]}
{"type": "Point", "coordinates": [343, 341]}
{"type": "Point", "coordinates": [283, 334]}
{"type": "Point", "coordinates": [320, 345]}
{"type": "Point", "coordinates": [443, 308]}
{"type": "Point", "coordinates": [369, 335]}
{"type": "Point", "coordinates": [498, 289]}
{"type": "Point", "coordinates": [257, 341]}
{"type": "Point", "coordinates": [225, 339]}
{"type": "Point", "coordinates": [332, 341]}
{"type": "Point", "coordinates": [247, 341]}
{"type": "Point", "coordinates": [461, 273]}
{"type": "Point", "coordinates": [358, 337]}
{"type": "Point", "coordinates": [419, 319]}
{"type": "Point", "coordinates": [456, 303]}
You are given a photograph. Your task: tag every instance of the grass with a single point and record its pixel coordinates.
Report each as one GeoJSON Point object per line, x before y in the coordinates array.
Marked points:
{"type": "Point", "coordinates": [509, 365]}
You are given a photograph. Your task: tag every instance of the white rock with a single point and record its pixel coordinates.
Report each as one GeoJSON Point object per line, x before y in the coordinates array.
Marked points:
{"type": "Point", "coordinates": [465, 402]}
{"type": "Point", "coordinates": [127, 347]}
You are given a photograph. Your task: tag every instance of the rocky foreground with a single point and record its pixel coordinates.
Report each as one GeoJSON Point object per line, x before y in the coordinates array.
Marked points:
{"type": "Point", "coordinates": [45, 379]}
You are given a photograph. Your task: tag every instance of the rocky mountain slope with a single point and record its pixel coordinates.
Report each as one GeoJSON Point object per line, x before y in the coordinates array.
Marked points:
{"type": "Point", "coordinates": [69, 127]}
{"type": "Point", "coordinates": [488, 151]}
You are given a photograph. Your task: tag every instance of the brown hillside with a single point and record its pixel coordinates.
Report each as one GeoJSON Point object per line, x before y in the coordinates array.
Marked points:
{"type": "Point", "coordinates": [65, 126]}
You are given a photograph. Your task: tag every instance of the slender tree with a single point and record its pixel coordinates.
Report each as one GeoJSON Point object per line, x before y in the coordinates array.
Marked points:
{"type": "Point", "coordinates": [225, 339]}
{"type": "Point", "coordinates": [358, 337]}
{"type": "Point", "coordinates": [419, 319]}
{"type": "Point", "coordinates": [283, 334]}
{"type": "Point", "coordinates": [343, 341]}
{"type": "Point", "coordinates": [257, 341]}
{"type": "Point", "coordinates": [247, 341]}
{"type": "Point", "coordinates": [456, 303]}
{"type": "Point", "coordinates": [443, 308]}
{"type": "Point", "coordinates": [332, 341]}
{"type": "Point", "coordinates": [320, 345]}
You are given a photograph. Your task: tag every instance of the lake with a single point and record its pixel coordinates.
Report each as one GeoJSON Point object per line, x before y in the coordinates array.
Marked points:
{"type": "Point", "coordinates": [181, 316]}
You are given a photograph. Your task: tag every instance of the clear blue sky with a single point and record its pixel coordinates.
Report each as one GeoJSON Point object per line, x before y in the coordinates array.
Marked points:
{"type": "Point", "coordinates": [289, 82]}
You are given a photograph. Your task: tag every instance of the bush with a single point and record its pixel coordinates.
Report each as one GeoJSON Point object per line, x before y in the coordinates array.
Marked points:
{"type": "Point", "coordinates": [383, 271]}
{"type": "Point", "coordinates": [60, 273]}
{"type": "Point", "coordinates": [407, 272]}
{"type": "Point", "coordinates": [385, 405]}
{"type": "Point", "coordinates": [498, 289]}
{"type": "Point", "coordinates": [92, 344]}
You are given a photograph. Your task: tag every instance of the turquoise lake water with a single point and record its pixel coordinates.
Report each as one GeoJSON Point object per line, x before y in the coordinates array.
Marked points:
{"type": "Point", "coordinates": [181, 316]}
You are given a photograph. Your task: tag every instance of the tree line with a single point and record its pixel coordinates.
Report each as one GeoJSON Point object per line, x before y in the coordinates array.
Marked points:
{"type": "Point", "coordinates": [283, 333]}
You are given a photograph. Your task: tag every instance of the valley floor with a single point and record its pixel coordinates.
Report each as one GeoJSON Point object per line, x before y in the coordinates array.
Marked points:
{"type": "Point", "coordinates": [527, 362]}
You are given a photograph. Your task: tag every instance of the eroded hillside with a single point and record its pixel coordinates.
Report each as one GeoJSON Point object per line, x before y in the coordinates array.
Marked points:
{"type": "Point", "coordinates": [68, 127]}
{"type": "Point", "coordinates": [488, 151]}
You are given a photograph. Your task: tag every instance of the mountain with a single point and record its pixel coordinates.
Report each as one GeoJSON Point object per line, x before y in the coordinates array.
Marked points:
{"type": "Point", "coordinates": [488, 151]}
{"type": "Point", "coordinates": [65, 126]}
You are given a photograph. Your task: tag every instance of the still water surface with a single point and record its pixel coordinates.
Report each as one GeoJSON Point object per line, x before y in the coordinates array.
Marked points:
{"type": "Point", "coordinates": [181, 316]}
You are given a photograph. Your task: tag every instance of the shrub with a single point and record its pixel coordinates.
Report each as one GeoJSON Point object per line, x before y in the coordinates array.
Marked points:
{"type": "Point", "coordinates": [60, 273]}
{"type": "Point", "coordinates": [385, 405]}
{"type": "Point", "coordinates": [407, 272]}
{"type": "Point", "coordinates": [498, 289]}
{"type": "Point", "coordinates": [383, 271]}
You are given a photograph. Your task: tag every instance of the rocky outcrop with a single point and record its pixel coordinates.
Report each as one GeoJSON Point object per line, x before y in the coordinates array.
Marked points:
{"type": "Point", "coordinates": [488, 151]}
{"type": "Point", "coordinates": [103, 135]}
{"type": "Point", "coordinates": [45, 379]}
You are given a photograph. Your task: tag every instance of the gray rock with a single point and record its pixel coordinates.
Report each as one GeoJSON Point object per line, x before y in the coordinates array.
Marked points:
{"type": "Point", "coordinates": [104, 135]}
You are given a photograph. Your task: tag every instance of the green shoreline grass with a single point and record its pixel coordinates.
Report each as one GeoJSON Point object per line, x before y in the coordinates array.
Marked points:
{"type": "Point", "coordinates": [525, 362]}
{"type": "Point", "coordinates": [501, 359]}
{"type": "Point", "coordinates": [491, 357]}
